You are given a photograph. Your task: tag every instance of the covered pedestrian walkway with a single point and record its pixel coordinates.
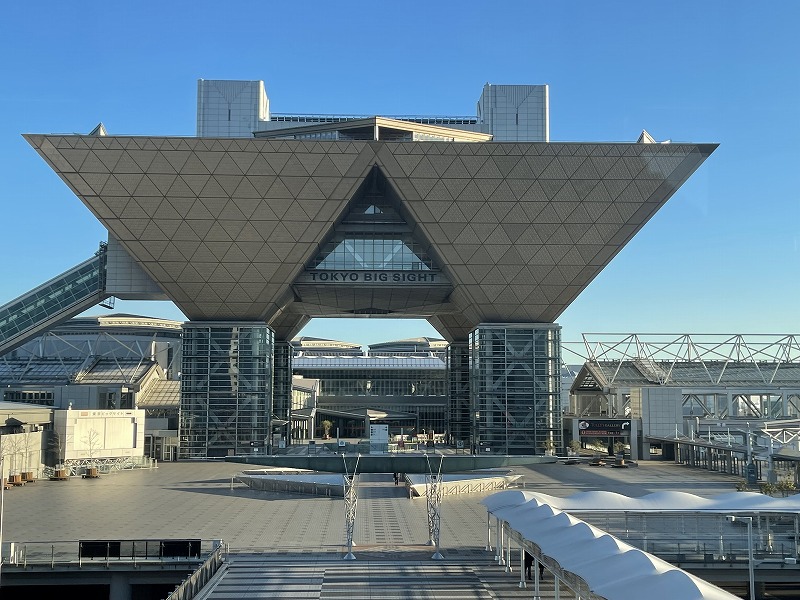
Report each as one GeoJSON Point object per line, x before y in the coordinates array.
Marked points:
{"type": "Point", "coordinates": [583, 559]}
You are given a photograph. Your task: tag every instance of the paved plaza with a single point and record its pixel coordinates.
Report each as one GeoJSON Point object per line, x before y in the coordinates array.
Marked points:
{"type": "Point", "coordinates": [197, 500]}
{"type": "Point", "coordinates": [290, 546]}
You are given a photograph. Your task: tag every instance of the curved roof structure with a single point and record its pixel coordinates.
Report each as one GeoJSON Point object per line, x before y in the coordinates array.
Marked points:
{"type": "Point", "coordinates": [668, 501]}
{"type": "Point", "coordinates": [71, 370]}
{"type": "Point", "coordinates": [464, 233]}
{"type": "Point", "coordinates": [609, 567]}
{"type": "Point", "coordinates": [118, 321]}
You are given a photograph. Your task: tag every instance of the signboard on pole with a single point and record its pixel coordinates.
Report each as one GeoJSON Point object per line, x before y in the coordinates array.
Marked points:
{"type": "Point", "coordinates": [378, 438]}
{"type": "Point", "coordinates": [604, 427]}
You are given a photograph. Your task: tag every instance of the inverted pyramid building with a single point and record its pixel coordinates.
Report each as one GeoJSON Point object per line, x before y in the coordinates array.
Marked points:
{"type": "Point", "coordinates": [458, 233]}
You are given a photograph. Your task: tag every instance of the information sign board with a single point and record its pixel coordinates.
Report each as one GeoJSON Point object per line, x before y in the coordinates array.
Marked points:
{"type": "Point", "coordinates": [604, 427]}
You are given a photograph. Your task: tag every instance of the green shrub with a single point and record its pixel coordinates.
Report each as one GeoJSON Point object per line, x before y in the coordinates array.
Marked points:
{"type": "Point", "coordinates": [768, 488]}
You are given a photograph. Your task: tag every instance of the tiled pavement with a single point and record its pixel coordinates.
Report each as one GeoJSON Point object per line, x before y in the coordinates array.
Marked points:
{"type": "Point", "coordinates": [302, 536]}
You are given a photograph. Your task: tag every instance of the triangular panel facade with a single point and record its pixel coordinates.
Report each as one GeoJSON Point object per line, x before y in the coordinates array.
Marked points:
{"type": "Point", "coordinates": [230, 228]}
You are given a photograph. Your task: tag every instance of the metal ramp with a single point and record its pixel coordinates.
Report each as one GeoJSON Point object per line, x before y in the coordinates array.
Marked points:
{"type": "Point", "coordinates": [53, 302]}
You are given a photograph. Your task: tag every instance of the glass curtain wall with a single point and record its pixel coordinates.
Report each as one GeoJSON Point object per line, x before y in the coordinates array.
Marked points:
{"type": "Point", "coordinates": [515, 388]}
{"type": "Point", "coordinates": [226, 388]}
{"type": "Point", "coordinates": [378, 383]}
{"type": "Point", "coordinates": [282, 390]}
{"type": "Point", "coordinates": [458, 392]}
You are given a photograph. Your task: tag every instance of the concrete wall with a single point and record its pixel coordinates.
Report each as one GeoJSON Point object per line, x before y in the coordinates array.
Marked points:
{"type": "Point", "coordinates": [662, 409]}
{"type": "Point", "coordinates": [100, 433]}
{"type": "Point", "coordinates": [21, 452]}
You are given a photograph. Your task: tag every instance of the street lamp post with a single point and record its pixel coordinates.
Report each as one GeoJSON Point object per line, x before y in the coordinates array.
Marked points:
{"type": "Point", "coordinates": [749, 522]}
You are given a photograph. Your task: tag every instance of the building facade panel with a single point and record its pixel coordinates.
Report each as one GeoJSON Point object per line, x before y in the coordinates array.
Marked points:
{"type": "Point", "coordinates": [226, 388]}
{"type": "Point", "coordinates": [223, 261]}
{"type": "Point", "coordinates": [458, 392]}
{"type": "Point", "coordinates": [515, 388]}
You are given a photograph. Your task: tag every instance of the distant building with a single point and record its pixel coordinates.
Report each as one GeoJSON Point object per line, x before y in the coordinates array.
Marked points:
{"type": "Point", "coordinates": [659, 390]}
{"type": "Point", "coordinates": [400, 383]}
{"type": "Point", "coordinates": [422, 346]}
{"type": "Point", "coordinates": [101, 366]}
{"type": "Point", "coordinates": [311, 346]}
{"type": "Point", "coordinates": [509, 113]}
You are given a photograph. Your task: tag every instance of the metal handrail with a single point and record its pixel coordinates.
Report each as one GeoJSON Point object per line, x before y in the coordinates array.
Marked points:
{"type": "Point", "coordinates": [94, 552]}
{"type": "Point", "coordinates": [190, 586]}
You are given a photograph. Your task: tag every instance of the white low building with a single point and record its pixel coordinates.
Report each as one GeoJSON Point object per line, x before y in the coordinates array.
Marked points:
{"type": "Point", "coordinates": [98, 435]}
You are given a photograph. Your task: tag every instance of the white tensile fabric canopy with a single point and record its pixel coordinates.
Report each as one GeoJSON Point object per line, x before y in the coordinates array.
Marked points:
{"type": "Point", "coordinates": [611, 568]}
{"type": "Point", "coordinates": [733, 502]}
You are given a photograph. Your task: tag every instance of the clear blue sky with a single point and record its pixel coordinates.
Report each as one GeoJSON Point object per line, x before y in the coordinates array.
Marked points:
{"type": "Point", "coordinates": [722, 256]}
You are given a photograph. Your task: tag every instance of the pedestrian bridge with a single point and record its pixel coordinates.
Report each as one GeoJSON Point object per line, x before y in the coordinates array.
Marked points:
{"type": "Point", "coordinates": [662, 545]}
{"type": "Point", "coordinates": [53, 302]}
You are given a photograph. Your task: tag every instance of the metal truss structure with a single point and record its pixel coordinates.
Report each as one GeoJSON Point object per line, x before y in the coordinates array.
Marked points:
{"type": "Point", "coordinates": [433, 495]}
{"type": "Point", "coordinates": [350, 502]}
{"type": "Point", "coordinates": [755, 377]}
{"type": "Point", "coordinates": [658, 355]}
{"type": "Point", "coordinates": [72, 359]}
{"type": "Point", "coordinates": [78, 466]}
{"type": "Point", "coordinates": [784, 433]}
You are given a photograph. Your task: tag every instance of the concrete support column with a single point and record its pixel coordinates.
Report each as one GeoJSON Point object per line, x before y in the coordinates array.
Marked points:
{"type": "Point", "coordinates": [761, 589]}
{"type": "Point", "coordinates": [120, 588]}
{"type": "Point", "coordinates": [576, 431]}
